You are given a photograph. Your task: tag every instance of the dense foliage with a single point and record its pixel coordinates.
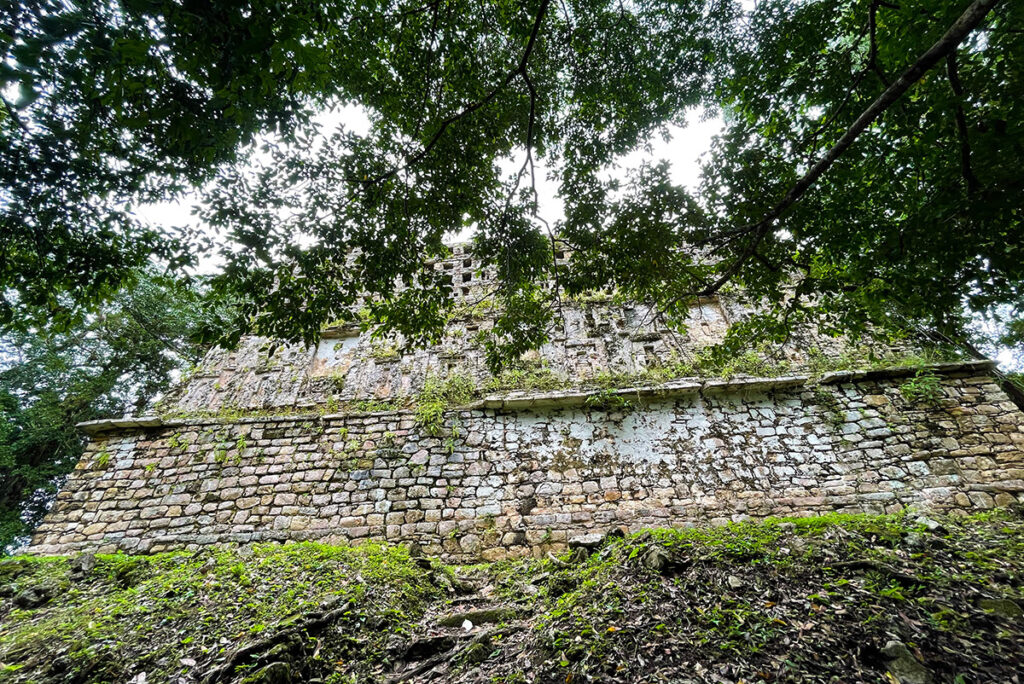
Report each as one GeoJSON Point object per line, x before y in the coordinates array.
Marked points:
{"type": "Point", "coordinates": [914, 216]}
{"type": "Point", "coordinates": [922, 215]}
{"type": "Point", "coordinates": [107, 104]}
{"type": "Point", "coordinates": [108, 366]}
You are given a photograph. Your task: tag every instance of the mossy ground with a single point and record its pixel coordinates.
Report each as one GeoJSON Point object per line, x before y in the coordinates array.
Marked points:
{"type": "Point", "coordinates": [801, 600]}
{"type": "Point", "coordinates": [172, 615]}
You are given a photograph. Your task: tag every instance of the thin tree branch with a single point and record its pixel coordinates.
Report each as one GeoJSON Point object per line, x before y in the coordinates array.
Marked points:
{"type": "Point", "coordinates": [14, 115]}
{"type": "Point", "coordinates": [529, 137]}
{"type": "Point", "coordinates": [873, 45]}
{"type": "Point", "coordinates": [834, 114]}
{"type": "Point", "coordinates": [472, 107]}
{"type": "Point", "coordinates": [961, 125]}
{"type": "Point", "coordinates": [415, 10]}
{"type": "Point", "coordinates": [428, 67]}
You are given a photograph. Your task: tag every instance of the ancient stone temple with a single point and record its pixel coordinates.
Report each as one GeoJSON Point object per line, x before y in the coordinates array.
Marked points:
{"type": "Point", "coordinates": [610, 425]}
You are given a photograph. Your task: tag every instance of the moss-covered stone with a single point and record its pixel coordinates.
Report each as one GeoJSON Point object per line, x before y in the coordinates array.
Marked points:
{"type": "Point", "coordinates": [903, 666]}
{"type": "Point", "coordinates": [274, 673]}
{"type": "Point", "coordinates": [477, 617]}
{"type": "Point", "coordinates": [1006, 608]}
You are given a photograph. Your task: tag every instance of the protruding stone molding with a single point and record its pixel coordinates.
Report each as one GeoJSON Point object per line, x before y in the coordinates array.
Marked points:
{"type": "Point", "coordinates": [94, 427]}
{"type": "Point", "coordinates": [97, 427]}
{"type": "Point", "coordinates": [519, 401]}
{"type": "Point", "coordinates": [837, 377]}
{"type": "Point", "coordinates": [675, 388]}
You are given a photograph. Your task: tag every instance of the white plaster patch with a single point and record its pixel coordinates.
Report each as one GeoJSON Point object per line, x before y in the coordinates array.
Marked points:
{"type": "Point", "coordinates": [651, 436]}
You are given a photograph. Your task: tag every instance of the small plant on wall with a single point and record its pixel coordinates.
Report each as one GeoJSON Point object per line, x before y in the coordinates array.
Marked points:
{"type": "Point", "coordinates": [102, 460]}
{"type": "Point", "coordinates": [827, 400]}
{"type": "Point", "coordinates": [438, 396]}
{"type": "Point", "coordinates": [607, 400]}
{"type": "Point", "coordinates": [925, 387]}
{"type": "Point", "coordinates": [177, 442]}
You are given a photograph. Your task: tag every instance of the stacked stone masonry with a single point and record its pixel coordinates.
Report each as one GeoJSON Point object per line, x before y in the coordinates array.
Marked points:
{"type": "Point", "coordinates": [509, 482]}
{"type": "Point", "coordinates": [591, 338]}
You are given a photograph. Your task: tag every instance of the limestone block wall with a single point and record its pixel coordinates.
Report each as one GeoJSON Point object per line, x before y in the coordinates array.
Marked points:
{"type": "Point", "coordinates": [523, 478]}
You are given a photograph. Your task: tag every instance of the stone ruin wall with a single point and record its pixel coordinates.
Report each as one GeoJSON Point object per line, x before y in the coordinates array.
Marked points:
{"type": "Point", "coordinates": [273, 447]}
{"type": "Point", "coordinates": [514, 478]}
{"type": "Point", "coordinates": [591, 338]}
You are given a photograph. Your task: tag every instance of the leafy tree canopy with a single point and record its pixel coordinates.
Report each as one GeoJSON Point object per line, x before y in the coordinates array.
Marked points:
{"type": "Point", "coordinates": [869, 166]}
{"type": "Point", "coordinates": [111, 365]}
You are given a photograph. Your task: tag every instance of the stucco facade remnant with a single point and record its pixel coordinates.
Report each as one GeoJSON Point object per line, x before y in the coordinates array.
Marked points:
{"type": "Point", "coordinates": [522, 474]}
{"type": "Point", "coordinates": [593, 337]}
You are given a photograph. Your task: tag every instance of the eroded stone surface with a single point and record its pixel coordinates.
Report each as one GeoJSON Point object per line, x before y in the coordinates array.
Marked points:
{"type": "Point", "coordinates": [595, 337]}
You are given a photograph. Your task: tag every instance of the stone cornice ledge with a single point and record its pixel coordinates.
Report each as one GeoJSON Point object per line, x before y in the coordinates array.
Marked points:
{"type": "Point", "coordinates": [685, 386]}
{"type": "Point", "coordinates": [836, 377]}
{"type": "Point", "coordinates": [571, 398]}
{"type": "Point", "coordinates": [673, 388]}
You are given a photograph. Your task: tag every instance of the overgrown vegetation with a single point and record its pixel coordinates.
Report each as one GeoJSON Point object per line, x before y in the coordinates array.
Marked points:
{"type": "Point", "coordinates": [576, 88]}
{"type": "Point", "coordinates": [608, 400]}
{"type": "Point", "coordinates": [799, 600]}
{"type": "Point", "coordinates": [470, 310]}
{"type": "Point", "coordinates": [108, 366]}
{"type": "Point", "coordinates": [764, 361]}
{"type": "Point", "coordinates": [458, 389]}
{"type": "Point", "coordinates": [527, 377]}
{"type": "Point", "coordinates": [375, 405]}
{"type": "Point", "coordinates": [174, 614]}
{"type": "Point", "coordinates": [924, 387]}
{"type": "Point", "coordinates": [814, 599]}
{"type": "Point", "coordinates": [332, 405]}
{"type": "Point", "coordinates": [437, 397]}
{"type": "Point", "coordinates": [384, 351]}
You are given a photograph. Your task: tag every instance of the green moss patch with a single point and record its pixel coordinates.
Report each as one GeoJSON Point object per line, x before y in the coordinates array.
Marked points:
{"type": "Point", "coordinates": [798, 600]}
{"type": "Point", "coordinates": [180, 613]}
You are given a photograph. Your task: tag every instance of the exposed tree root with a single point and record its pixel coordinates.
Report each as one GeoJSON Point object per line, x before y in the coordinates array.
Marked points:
{"type": "Point", "coordinates": [311, 623]}
{"type": "Point", "coordinates": [453, 655]}
{"type": "Point", "coordinates": [865, 564]}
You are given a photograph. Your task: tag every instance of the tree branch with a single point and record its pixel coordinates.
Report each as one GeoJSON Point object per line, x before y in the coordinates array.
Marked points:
{"type": "Point", "coordinates": [428, 67]}
{"type": "Point", "coordinates": [961, 125]}
{"type": "Point", "coordinates": [830, 117]}
{"type": "Point", "coordinates": [14, 115]}
{"type": "Point", "coordinates": [472, 107]}
{"type": "Point", "coordinates": [956, 34]}
{"type": "Point", "coordinates": [873, 44]}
